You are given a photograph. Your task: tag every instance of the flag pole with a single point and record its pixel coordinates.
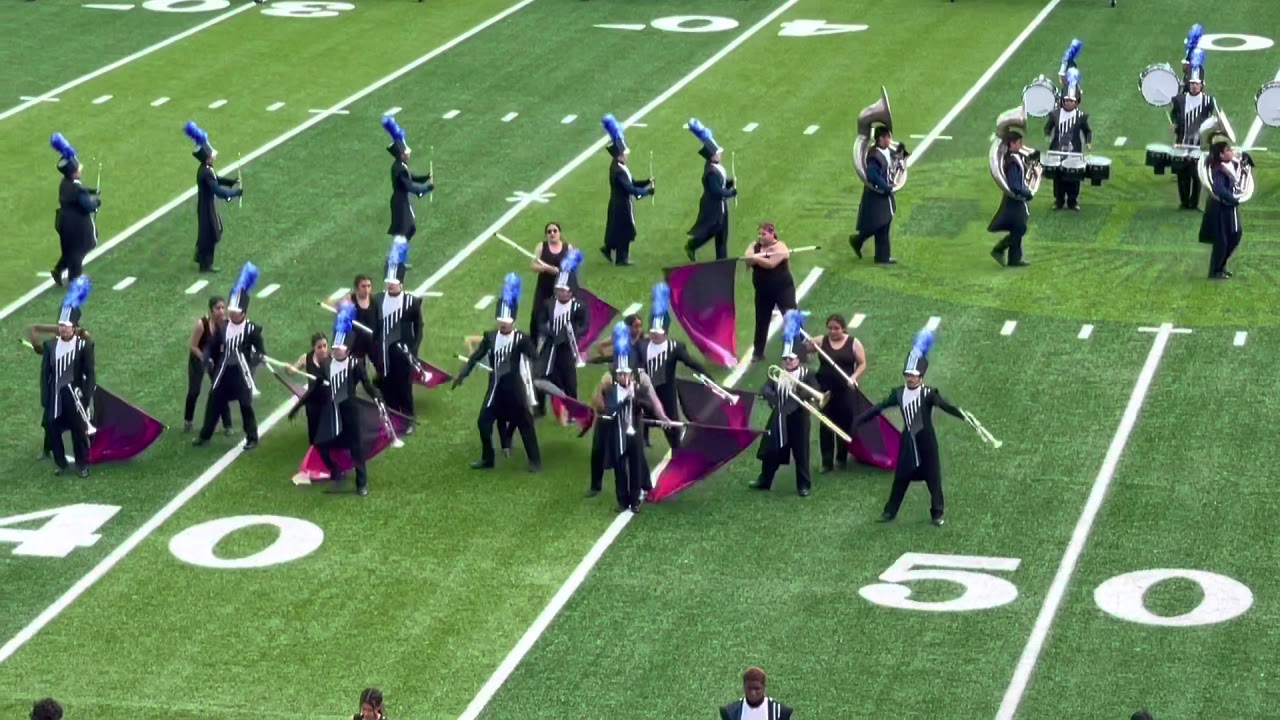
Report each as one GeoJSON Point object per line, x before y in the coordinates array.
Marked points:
{"type": "Point", "coordinates": [653, 196]}
{"type": "Point", "coordinates": [240, 178]}
{"type": "Point", "coordinates": [431, 170]}
{"type": "Point", "coordinates": [733, 170]}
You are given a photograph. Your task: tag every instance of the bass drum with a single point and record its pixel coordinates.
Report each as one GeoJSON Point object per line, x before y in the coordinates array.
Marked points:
{"type": "Point", "coordinates": [1159, 84]}
{"type": "Point", "coordinates": [1040, 97]}
{"type": "Point", "coordinates": [1267, 102]}
{"type": "Point", "coordinates": [1097, 168]}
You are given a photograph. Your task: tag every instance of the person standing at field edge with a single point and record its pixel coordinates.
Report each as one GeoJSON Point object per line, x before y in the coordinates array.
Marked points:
{"type": "Point", "coordinates": [754, 705]}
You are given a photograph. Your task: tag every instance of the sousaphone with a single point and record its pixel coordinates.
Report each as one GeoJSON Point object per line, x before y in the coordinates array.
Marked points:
{"type": "Point", "coordinates": [878, 113]}
{"type": "Point", "coordinates": [1218, 129]}
{"type": "Point", "coordinates": [1011, 122]}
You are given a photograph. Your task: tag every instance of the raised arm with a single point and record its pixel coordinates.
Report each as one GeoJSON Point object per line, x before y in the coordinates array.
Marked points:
{"type": "Point", "coordinates": [682, 355]}
{"type": "Point", "coordinates": [210, 181]}
{"type": "Point", "coordinates": [655, 403]}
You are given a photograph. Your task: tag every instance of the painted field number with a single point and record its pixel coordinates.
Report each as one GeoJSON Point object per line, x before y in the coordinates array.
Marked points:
{"type": "Point", "coordinates": [279, 8]}
{"type": "Point", "coordinates": [694, 23]}
{"type": "Point", "coordinates": [196, 544]}
{"type": "Point", "coordinates": [65, 529]}
{"type": "Point", "coordinates": [982, 591]}
{"type": "Point", "coordinates": [1124, 596]}
{"type": "Point", "coordinates": [815, 28]}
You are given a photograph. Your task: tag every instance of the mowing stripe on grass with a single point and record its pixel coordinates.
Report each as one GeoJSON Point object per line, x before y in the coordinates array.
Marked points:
{"type": "Point", "coordinates": [123, 61]}
{"type": "Point", "coordinates": [208, 476]}
{"type": "Point", "coordinates": [584, 568]}
{"type": "Point", "coordinates": [1058, 590]}
{"type": "Point", "coordinates": [277, 142]}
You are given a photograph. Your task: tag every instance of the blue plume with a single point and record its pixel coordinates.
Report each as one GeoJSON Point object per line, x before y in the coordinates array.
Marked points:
{"type": "Point", "coordinates": [346, 318]}
{"type": "Point", "coordinates": [571, 263]}
{"type": "Point", "coordinates": [1197, 58]}
{"type": "Point", "coordinates": [399, 252]}
{"type": "Point", "coordinates": [1073, 51]}
{"type": "Point", "coordinates": [1073, 76]}
{"type": "Point", "coordinates": [247, 279]}
{"type": "Point", "coordinates": [660, 300]}
{"type": "Point", "coordinates": [621, 340]}
{"type": "Point", "coordinates": [791, 323]}
{"type": "Point", "coordinates": [612, 127]}
{"type": "Point", "coordinates": [702, 132]}
{"type": "Point", "coordinates": [59, 143]}
{"type": "Point", "coordinates": [1193, 37]}
{"type": "Point", "coordinates": [389, 124]}
{"type": "Point", "coordinates": [78, 292]}
{"type": "Point", "coordinates": [511, 289]}
{"type": "Point", "coordinates": [923, 342]}
{"type": "Point", "coordinates": [193, 131]}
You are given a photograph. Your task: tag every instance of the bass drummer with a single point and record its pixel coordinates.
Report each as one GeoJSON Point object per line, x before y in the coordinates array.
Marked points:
{"type": "Point", "coordinates": [1068, 131]}
{"type": "Point", "coordinates": [1189, 111]}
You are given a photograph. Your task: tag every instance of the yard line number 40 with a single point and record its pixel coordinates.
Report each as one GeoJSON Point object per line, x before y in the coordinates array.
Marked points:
{"type": "Point", "coordinates": [1122, 596]}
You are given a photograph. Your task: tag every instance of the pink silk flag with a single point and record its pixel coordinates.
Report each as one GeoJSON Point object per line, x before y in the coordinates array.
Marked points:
{"type": "Point", "coordinates": [874, 443]}
{"type": "Point", "coordinates": [702, 299]}
{"type": "Point", "coordinates": [702, 451]}
{"type": "Point", "coordinates": [429, 376]}
{"type": "Point", "coordinates": [600, 315]}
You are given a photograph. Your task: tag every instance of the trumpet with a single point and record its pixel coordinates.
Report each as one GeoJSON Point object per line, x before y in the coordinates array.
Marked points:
{"type": "Point", "coordinates": [622, 395]}
{"type": "Point", "coordinates": [247, 372]}
{"type": "Point", "coordinates": [716, 389]}
{"type": "Point", "coordinates": [573, 343]}
{"type": "Point", "coordinates": [789, 384]}
{"type": "Point", "coordinates": [396, 442]}
{"type": "Point", "coordinates": [89, 429]}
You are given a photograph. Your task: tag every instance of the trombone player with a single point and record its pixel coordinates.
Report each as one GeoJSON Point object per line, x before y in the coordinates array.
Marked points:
{"type": "Point", "coordinates": [1016, 170]}
{"type": "Point", "coordinates": [787, 434]}
{"type": "Point", "coordinates": [883, 171]}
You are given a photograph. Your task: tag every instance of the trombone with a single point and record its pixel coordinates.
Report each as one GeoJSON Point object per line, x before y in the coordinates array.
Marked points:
{"type": "Point", "coordinates": [789, 384]}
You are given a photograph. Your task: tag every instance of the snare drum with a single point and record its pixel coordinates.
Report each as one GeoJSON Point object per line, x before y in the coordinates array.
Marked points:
{"type": "Point", "coordinates": [1073, 168]}
{"type": "Point", "coordinates": [1051, 164]}
{"type": "Point", "coordinates": [1184, 156]}
{"type": "Point", "coordinates": [1097, 168]}
{"type": "Point", "coordinates": [1040, 97]}
{"type": "Point", "coordinates": [1159, 84]}
{"type": "Point", "coordinates": [1268, 103]}
{"type": "Point", "coordinates": [1159, 157]}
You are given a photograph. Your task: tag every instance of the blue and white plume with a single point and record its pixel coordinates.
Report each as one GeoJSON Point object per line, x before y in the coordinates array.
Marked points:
{"type": "Point", "coordinates": [399, 144]}
{"type": "Point", "coordinates": [621, 347]}
{"type": "Point", "coordinates": [343, 323]}
{"type": "Point", "coordinates": [792, 323]}
{"type": "Point", "coordinates": [76, 296]}
{"type": "Point", "coordinates": [568, 267]}
{"type": "Point", "coordinates": [239, 297]}
{"type": "Point", "coordinates": [1069, 57]}
{"type": "Point", "coordinates": [68, 158]}
{"type": "Point", "coordinates": [509, 303]}
{"type": "Point", "coordinates": [703, 133]}
{"type": "Point", "coordinates": [659, 307]}
{"type": "Point", "coordinates": [1193, 38]}
{"type": "Point", "coordinates": [617, 143]}
{"type": "Point", "coordinates": [917, 360]}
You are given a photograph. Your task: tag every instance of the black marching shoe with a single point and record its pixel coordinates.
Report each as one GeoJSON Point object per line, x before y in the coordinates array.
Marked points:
{"type": "Point", "coordinates": [804, 492]}
{"type": "Point", "coordinates": [1074, 206]}
{"type": "Point", "coordinates": [856, 245]}
{"type": "Point", "coordinates": [998, 255]}
{"type": "Point", "coordinates": [759, 484]}
{"type": "Point", "coordinates": [938, 522]}
{"type": "Point", "coordinates": [57, 277]}
{"type": "Point", "coordinates": [363, 490]}
{"type": "Point", "coordinates": [689, 252]}
{"type": "Point", "coordinates": [250, 444]}
{"type": "Point", "coordinates": [535, 467]}
{"type": "Point", "coordinates": [229, 431]}
{"type": "Point", "coordinates": [886, 518]}
{"type": "Point", "coordinates": [1057, 206]}
{"type": "Point", "coordinates": [59, 472]}
{"type": "Point", "coordinates": [1219, 276]}
{"type": "Point", "coordinates": [198, 441]}
{"type": "Point", "coordinates": [186, 427]}
{"type": "Point", "coordinates": [890, 261]}
{"type": "Point", "coordinates": [607, 253]}
{"type": "Point", "coordinates": [824, 470]}
{"type": "Point", "coordinates": [635, 509]}
{"type": "Point", "coordinates": [592, 493]}
{"type": "Point", "coordinates": [82, 472]}
{"type": "Point", "coordinates": [1019, 263]}
{"type": "Point", "coordinates": [482, 465]}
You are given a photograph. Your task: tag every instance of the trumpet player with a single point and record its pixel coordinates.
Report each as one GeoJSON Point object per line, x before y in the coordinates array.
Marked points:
{"type": "Point", "coordinates": [659, 355]}
{"type": "Point", "coordinates": [1011, 218]}
{"type": "Point", "coordinates": [918, 452]}
{"type": "Point", "coordinates": [229, 356]}
{"type": "Point", "coordinates": [67, 383]}
{"type": "Point", "coordinates": [843, 362]}
{"type": "Point", "coordinates": [1067, 130]}
{"type": "Point", "coordinates": [397, 334]}
{"type": "Point", "coordinates": [561, 321]}
{"type": "Point", "coordinates": [787, 437]}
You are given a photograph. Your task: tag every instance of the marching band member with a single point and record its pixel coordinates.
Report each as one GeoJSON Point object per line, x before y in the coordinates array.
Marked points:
{"type": "Point", "coordinates": [370, 705]}
{"type": "Point", "coordinates": [771, 277]}
{"type": "Point", "coordinates": [659, 354]}
{"type": "Point", "coordinates": [201, 334]}
{"type": "Point", "coordinates": [754, 704]}
{"type": "Point", "coordinates": [604, 348]}
{"type": "Point", "coordinates": [509, 395]}
{"type": "Point", "coordinates": [561, 321]}
{"type": "Point", "coordinates": [67, 383]}
{"type": "Point", "coordinates": [34, 333]}
{"type": "Point", "coordinates": [547, 257]}
{"type": "Point", "coordinates": [918, 453]}
{"type": "Point", "coordinates": [713, 209]}
{"type": "Point", "coordinates": [361, 296]}
{"type": "Point", "coordinates": [1187, 113]}
{"type": "Point", "coordinates": [851, 360]}
{"type": "Point", "coordinates": [879, 205]}
{"type": "Point", "coordinates": [403, 184]}
{"type": "Point", "coordinates": [620, 227]}
{"type": "Point", "coordinates": [1192, 44]}
{"type": "Point", "coordinates": [313, 399]}
{"type": "Point", "coordinates": [1225, 216]}
{"type": "Point", "coordinates": [1068, 131]}
{"type": "Point", "coordinates": [1012, 216]}
{"type": "Point", "coordinates": [787, 437]}
{"type": "Point", "coordinates": [210, 188]}
{"type": "Point", "coordinates": [397, 334]}
{"type": "Point", "coordinates": [230, 355]}
{"type": "Point", "coordinates": [77, 204]}
{"type": "Point", "coordinates": [339, 422]}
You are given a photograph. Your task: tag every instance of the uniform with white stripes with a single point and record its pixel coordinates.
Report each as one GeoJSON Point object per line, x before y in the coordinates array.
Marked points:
{"type": "Point", "coordinates": [1190, 109]}
{"type": "Point", "coordinates": [67, 384]}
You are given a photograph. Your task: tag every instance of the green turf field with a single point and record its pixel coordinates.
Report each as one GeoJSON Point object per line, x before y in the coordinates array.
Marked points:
{"type": "Point", "coordinates": [1114, 553]}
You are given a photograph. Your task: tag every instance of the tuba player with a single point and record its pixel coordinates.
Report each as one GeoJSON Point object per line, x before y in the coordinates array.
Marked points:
{"type": "Point", "coordinates": [1012, 216]}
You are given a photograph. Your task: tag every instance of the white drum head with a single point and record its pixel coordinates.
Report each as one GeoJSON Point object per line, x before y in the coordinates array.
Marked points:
{"type": "Point", "coordinates": [1096, 160]}
{"type": "Point", "coordinates": [1159, 84]}
{"type": "Point", "coordinates": [1039, 98]}
{"type": "Point", "coordinates": [1050, 160]}
{"type": "Point", "coordinates": [1073, 161]}
{"type": "Point", "coordinates": [1268, 102]}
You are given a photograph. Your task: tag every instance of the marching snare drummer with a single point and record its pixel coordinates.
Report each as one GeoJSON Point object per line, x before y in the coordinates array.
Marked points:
{"type": "Point", "coordinates": [1189, 111]}
{"type": "Point", "coordinates": [1224, 219]}
{"type": "Point", "coordinates": [67, 383]}
{"type": "Point", "coordinates": [1067, 130]}
{"type": "Point", "coordinates": [230, 355]}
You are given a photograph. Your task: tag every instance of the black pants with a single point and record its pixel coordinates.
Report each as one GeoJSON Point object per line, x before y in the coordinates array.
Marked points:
{"type": "Point", "coordinates": [1013, 244]}
{"type": "Point", "coordinates": [721, 237]}
{"type": "Point", "coordinates": [523, 422]}
{"type": "Point", "coordinates": [69, 421]}
{"type": "Point", "coordinates": [71, 260]}
{"type": "Point", "coordinates": [1189, 187]}
{"type": "Point", "coordinates": [563, 370]}
{"type": "Point", "coordinates": [204, 252]}
{"type": "Point", "coordinates": [797, 447]}
{"type": "Point", "coordinates": [231, 389]}
{"type": "Point", "coordinates": [767, 299]}
{"type": "Point", "coordinates": [899, 491]}
{"type": "Point", "coordinates": [397, 385]}
{"type": "Point", "coordinates": [195, 378]}
{"type": "Point", "coordinates": [1066, 192]}
{"type": "Point", "coordinates": [622, 253]}
{"type": "Point", "coordinates": [628, 476]}
{"type": "Point", "coordinates": [351, 445]}
{"type": "Point", "coordinates": [597, 455]}
{"type": "Point", "coordinates": [840, 412]}
{"type": "Point", "coordinates": [884, 243]}
{"type": "Point", "coordinates": [1223, 248]}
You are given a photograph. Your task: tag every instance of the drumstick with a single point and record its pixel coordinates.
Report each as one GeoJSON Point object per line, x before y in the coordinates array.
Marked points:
{"type": "Point", "coordinates": [527, 253]}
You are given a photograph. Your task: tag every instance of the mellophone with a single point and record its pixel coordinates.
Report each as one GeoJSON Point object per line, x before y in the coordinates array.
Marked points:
{"type": "Point", "coordinates": [799, 389]}
{"type": "Point", "coordinates": [1076, 167]}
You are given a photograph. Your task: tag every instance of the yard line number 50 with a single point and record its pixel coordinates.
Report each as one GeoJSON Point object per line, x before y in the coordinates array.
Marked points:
{"type": "Point", "coordinates": [1122, 596]}
{"type": "Point", "coordinates": [76, 526]}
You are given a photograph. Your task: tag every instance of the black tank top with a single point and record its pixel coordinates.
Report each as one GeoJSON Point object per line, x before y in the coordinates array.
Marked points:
{"type": "Point", "coordinates": [546, 281]}
{"type": "Point", "coordinates": [844, 357]}
{"type": "Point", "coordinates": [773, 278]}
{"type": "Point", "coordinates": [205, 333]}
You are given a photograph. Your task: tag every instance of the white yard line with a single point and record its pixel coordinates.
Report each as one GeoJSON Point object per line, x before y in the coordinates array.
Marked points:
{"type": "Point", "coordinates": [337, 294]}
{"type": "Point", "coordinates": [974, 89]}
{"type": "Point", "coordinates": [269, 290]}
{"type": "Point", "coordinates": [510, 116]}
{"type": "Point", "coordinates": [811, 130]}
{"type": "Point", "coordinates": [568, 119]}
{"type": "Point", "coordinates": [130, 280]}
{"type": "Point", "coordinates": [277, 142]}
{"type": "Point", "coordinates": [208, 476]}
{"type": "Point", "coordinates": [631, 309]}
{"type": "Point", "coordinates": [275, 106]}
{"type": "Point", "coordinates": [124, 61]}
{"type": "Point", "coordinates": [159, 101]}
{"type": "Point", "coordinates": [1058, 589]}
{"type": "Point", "coordinates": [451, 114]}
{"type": "Point", "coordinates": [1009, 325]}
{"type": "Point", "coordinates": [217, 104]}
{"type": "Point", "coordinates": [484, 302]}
{"type": "Point", "coordinates": [750, 127]}
{"type": "Point", "coordinates": [933, 323]}
{"type": "Point", "coordinates": [197, 286]}
{"type": "Point", "coordinates": [102, 99]}
{"type": "Point", "coordinates": [856, 322]}
{"type": "Point", "coordinates": [1085, 332]}
{"type": "Point", "coordinates": [1240, 338]}
{"type": "Point", "coordinates": [392, 111]}
{"type": "Point", "coordinates": [1121, 141]}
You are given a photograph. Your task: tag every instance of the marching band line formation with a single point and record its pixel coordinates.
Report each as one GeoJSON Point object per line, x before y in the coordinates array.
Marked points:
{"type": "Point", "coordinates": [639, 390]}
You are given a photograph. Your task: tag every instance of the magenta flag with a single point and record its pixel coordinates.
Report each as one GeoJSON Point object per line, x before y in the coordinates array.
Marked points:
{"type": "Point", "coordinates": [703, 406]}
{"type": "Point", "coordinates": [874, 443]}
{"type": "Point", "coordinates": [429, 375]}
{"type": "Point", "coordinates": [582, 414]}
{"type": "Point", "coordinates": [124, 431]}
{"type": "Point", "coordinates": [600, 315]}
{"type": "Point", "coordinates": [374, 437]}
{"type": "Point", "coordinates": [702, 299]}
{"type": "Point", "coordinates": [702, 451]}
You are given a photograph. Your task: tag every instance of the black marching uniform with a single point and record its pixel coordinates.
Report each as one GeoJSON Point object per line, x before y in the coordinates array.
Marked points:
{"type": "Point", "coordinates": [842, 406]}
{"type": "Point", "coordinates": [339, 415]}
{"type": "Point", "coordinates": [196, 372]}
{"type": "Point", "coordinates": [774, 287]}
{"type": "Point", "coordinates": [544, 291]}
{"type": "Point", "coordinates": [509, 394]}
{"type": "Point", "coordinates": [620, 226]}
{"type": "Point", "coordinates": [1187, 114]}
{"type": "Point", "coordinates": [713, 208]}
{"type": "Point", "coordinates": [67, 374]}
{"type": "Point", "coordinates": [403, 185]}
{"type": "Point", "coordinates": [787, 436]}
{"type": "Point", "coordinates": [622, 446]}
{"type": "Point", "coordinates": [397, 335]}
{"type": "Point", "coordinates": [209, 189]}
{"type": "Point", "coordinates": [877, 208]}
{"type": "Point", "coordinates": [560, 325]}
{"type": "Point", "coordinates": [77, 231]}
{"type": "Point", "coordinates": [599, 437]}
{"type": "Point", "coordinates": [313, 400]}
{"type": "Point", "coordinates": [1223, 220]}
{"type": "Point", "coordinates": [1067, 131]}
{"type": "Point", "coordinates": [1012, 216]}
{"type": "Point", "coordinates": [659, 361]}
{"type": "Point", "coordinates": [230, 355]}
{"type": "Point", "coordinates": [774, 710]}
